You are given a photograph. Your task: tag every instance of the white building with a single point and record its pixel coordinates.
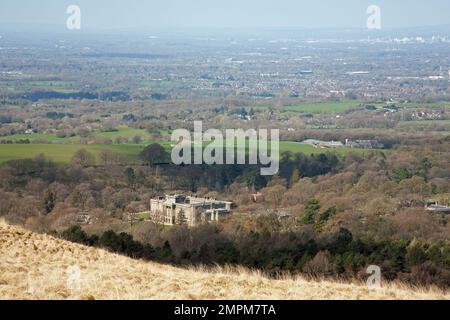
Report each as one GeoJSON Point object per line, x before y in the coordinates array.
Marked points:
{"type": "Point", "coordinates": [324, 144]}
{"type": "Point", "coordinates": [191, 211]}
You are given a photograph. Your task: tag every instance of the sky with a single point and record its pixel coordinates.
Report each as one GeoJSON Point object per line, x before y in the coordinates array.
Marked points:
{"type": "Point", "coordinates": [178, 14]}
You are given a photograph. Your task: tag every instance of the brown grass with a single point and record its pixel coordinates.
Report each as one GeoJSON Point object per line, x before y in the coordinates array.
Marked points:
{"type": "Point", "coordinates": [33, 266]}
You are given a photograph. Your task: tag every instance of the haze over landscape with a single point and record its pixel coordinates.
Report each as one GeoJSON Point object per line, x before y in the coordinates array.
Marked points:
{"type": "Point", "coordinates": [91, 110]}
{"type": "Point", "coordinates": [141, 15]}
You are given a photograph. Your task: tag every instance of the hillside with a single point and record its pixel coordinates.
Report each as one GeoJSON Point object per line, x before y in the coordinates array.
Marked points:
{"type": "Point", "coordinates": [34, 266]}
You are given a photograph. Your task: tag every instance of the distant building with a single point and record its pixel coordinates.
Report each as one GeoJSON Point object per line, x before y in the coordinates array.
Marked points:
{"type": "Point", "coordinates": [84, 218]}
{"type": "Point", "coordinates": [436, 207]}
{"type": "Point", "coordinates": [311, 141]}
{"type": "Point", "coordinates": [324, 144]}
{"type": "Point", "coordinates": [427, 115]}
{"type": "Point", "coordinates": [386, 111]}
{"type": "Point", "coordinates": [186, 210]}
{"type": "Point", "coordinates": [331, 144]}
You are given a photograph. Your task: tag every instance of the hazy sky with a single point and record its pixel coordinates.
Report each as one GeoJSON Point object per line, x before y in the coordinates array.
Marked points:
{"type": "Point", "coordinates": [151, 14]}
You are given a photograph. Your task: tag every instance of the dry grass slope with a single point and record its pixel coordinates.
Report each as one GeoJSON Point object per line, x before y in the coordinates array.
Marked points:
{"type": "Point", "coordinates": [33, 266]}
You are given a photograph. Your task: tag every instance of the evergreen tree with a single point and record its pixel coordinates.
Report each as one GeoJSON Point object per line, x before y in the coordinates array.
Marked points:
{"type": "Point", "coordinates": [311, 210]}
{"type": "Point", "coordinates": [324, 217]}
{"type": "Point", "coordinates": [130, 176]}
{"type": "Point", "coordinates": [181, 218]}
{"type": "Point", "coordinates": [166, 253]}
{"type": "Point", "coordinates": [75, 234]}
{"type": "Point", "coordinates": [415, 254]}
{"type": "Point", "coordinates": [49, 200]}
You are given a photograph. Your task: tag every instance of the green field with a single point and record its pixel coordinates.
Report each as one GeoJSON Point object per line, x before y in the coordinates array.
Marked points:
{"type": "Point", "coordinates": [425, 123]}
{"type": "Point", "coordinates": [297, 147]}
{"type": "Point", "coordinates": [39, 137]}
{"type": "Point", "coordinates": [62, 149]}
{"type": "Point", "coordinates": [339, 106]}
{"type": "Point", "coordinates": [122, 131]}
{"type": "Point", "coordinates": [63, 153]}
{"type": "Point", "coordinates": [39, 85]}
{"type": "Point", "coordinates": [426, 105]}
{"type": "Point", "coordinates": [58, 86]}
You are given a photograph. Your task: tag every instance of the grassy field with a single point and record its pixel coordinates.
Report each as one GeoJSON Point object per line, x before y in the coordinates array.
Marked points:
{"type": "Point", "coordinates": [62, 149]}
{"type": "Point", "coordinates": [62, 153]}
{"type": "Point", "coordinates": [427, 105]}
{"type": "Point", "coordinates": [425, 123]}
{"type": "Point", "coordinates": [35, 266]}
{"type": "Point", "coordinates": [39, 137]}
{"type": "Point", "coordinates": [44, 85]}
{"type": "Point", "coordinates": [297, 147]}
{"type": "Point", "coordinates": [57, 86]}
{"type": "Point", "coordinates": [339, 106]}
{"type": "Point", "coordinates": [122, 131]}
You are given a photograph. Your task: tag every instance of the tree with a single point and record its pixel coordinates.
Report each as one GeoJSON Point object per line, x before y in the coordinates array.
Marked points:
{"type": "Point", "coordinates": [324, 217]}
{"type": "Point", "coordinates": [321, 265]}
{"type": "Point", "coordinates": [137, 139]}
{"type": "Point", "coordinates": [181, 218]}
{"type": "Point", "coordinates": [311, 210]}
{"type": "Point", "coordinates": [75, 234]}
{"type": "Point", "coordinates": [274, 195]}
{"type": "Point", "coordinates": [81, 196]}
{"type": "Point", "coordinates": [110, 240]}
{"type": "Point", "coordinates": [341, 242]}
{"type": "Point", "coordinates": [83, 158]}
{"type": "Point", "coordinates": [416, 254]}
{"type": "Point", "coordinates": [49, 200]}
{"type": "Point", "coordinates": [401, 174]}
{"type": "Point", "coordinates": [295, 177]}
{"type": "Point", "coordinates": [204, 255]}
{"type": "Point", "coordinates": [154, 154]}
{"type": "Point", "coordinates": [165, 253]}
{"type": "Point", "coordinates": [130, 176]}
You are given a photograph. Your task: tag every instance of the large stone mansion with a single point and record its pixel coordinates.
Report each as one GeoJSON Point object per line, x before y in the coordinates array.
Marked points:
{"type": "Point", "coordinates": [187, 210]}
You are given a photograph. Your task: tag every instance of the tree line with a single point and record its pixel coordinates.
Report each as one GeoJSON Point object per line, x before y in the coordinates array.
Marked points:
{"type": "Point", "coordinates": [339, 255]}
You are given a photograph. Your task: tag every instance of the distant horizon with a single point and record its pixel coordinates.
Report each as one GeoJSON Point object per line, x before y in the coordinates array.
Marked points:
{"type": "Point", "coordinates": [321, 31]}
{"type": "Point", "coordinates": [119, 15]}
